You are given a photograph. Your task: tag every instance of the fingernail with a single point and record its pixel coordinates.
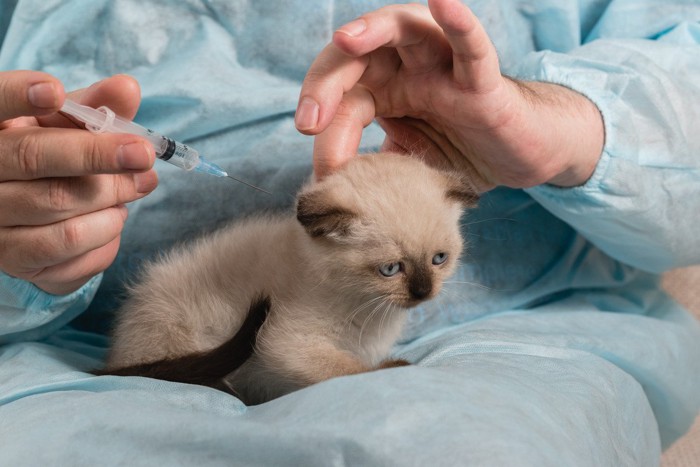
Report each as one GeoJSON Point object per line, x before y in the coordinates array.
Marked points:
{"type": "Point", "coordinates": [43, 95]}
{"type": "Point", "coordinates": [354, 28]}
{"type": "Point", "coordinates": [133, 156]}
{"type": "Point", "coordinates": [306, 116]}
{"type": "Point", "coordinates": [145, 182]}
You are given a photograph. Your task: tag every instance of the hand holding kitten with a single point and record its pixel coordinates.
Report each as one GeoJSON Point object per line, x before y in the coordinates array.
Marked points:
{"type": "Point", "coordinates": [63, 189]}
{"type": "Point", "coordinates": [431, 78]}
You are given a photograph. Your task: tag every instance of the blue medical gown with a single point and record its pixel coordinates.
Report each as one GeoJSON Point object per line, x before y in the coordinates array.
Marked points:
{"type": "Point", "coordinates": [552, 346]}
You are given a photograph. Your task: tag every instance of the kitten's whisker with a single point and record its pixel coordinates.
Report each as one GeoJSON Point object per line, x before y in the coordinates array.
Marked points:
{"type": "Point", "coordinates": [495, 239]}
{"type": "Point", "coordinates": [368, 319]}
{"type": "Point", "coordinates": [476, 284]}
{"type": "Point", "coordinates": [388, 312]}
{"type": "Point", "coordinates": [321, 282]}
{"type": "Point", "coordinates": [362, 326]}
{"type": "Point", "coordinates": [489, 219]}
{"type": "Point", "coordinates": [351, 317]}
{"type": "Point", "coordinates": [363, 307]}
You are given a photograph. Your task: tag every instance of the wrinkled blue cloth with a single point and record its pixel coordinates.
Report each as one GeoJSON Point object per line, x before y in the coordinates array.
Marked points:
{"type": "Point", "coordinates": [552, 345]}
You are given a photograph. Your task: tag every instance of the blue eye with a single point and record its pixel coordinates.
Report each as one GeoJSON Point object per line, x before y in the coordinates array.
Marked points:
{"type": "Point", "coordinates": [389, 269]}
{"type": "Point", "coordinates": [439, 258]}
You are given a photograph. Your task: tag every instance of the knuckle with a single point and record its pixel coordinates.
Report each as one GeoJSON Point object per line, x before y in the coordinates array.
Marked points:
{"type": "Point", "coordinates": [13, 94]}
{"type": "Point", "coordinates": [346, 107]}
{"type": "Point", "coordinates": [416, 7]}
{"type": "Point", "coordinates": [29, 154]}
{"type": "Point", "coordinates": [328, 60]}
{"type": "Point", "coordinates": [123, 188]}
{"type": "Point", "coordinates": [5, 259]}
{"type": "Point", "coordinates": [352, 107]}
{"type": "Point", "coordinates": [119, 221]}
{"type": "Point", "coordinates": [58, 196]}
{"type": "Point", "coordinates": [73, 235]}
{"type": "Point", "coordinates": [80, 269]}
{"type": "Point", "coordinates": [21, 254]}
{"type": "Point", "coordinates": [7, 99]}
{"type": "Point", "coordinates": [39, 251]}
{"type": "Point", "coordinates": [96, 155]}
{"type": "Point", "coordinates": [315, 76]}
{"type": "Point", "coordinates": [101, 260]}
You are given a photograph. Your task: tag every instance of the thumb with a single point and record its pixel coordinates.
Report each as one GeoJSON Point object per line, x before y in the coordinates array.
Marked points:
{"type": "Point", "coordinates": [121, 93]}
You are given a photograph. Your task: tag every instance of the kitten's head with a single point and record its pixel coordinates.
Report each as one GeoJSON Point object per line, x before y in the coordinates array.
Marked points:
{"type": "Point", "coordinates": [386, 226]}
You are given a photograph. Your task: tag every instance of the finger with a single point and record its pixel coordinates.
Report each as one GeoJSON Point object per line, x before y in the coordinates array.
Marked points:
{"type": "Point", "coordinates": [403, 138]}
{"type": "Point", "coordinates": [25, 251]}
{"type": "Point", "coordinates": [416, 138]}
{"type": "Point", "coordinates": [329, 77]}
{"type": "Point", "coordinates": [30, 153]}
{"type": "Point", "coordinates": [340, 141]}
{"type": "Point", "coordinates": [334, 73]}
{"type": "Point", "coordinates": [29, 93]}
{"type": "Point", "coordinates": [371, 55]}
{"type": "Point", "coordinates": [121, 93]}
{"type": "Point", "coordinates": [67, 277]}
{"type": "Point", "coordinates": [408, 28]}
{"type": "Point", "coordinates": [50, 200]}
{"type": "Point", "coordinates": [474, 58]}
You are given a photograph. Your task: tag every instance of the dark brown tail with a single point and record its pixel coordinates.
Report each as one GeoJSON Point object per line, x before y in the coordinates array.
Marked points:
{"type": "Point", "coordinates": [206, 368]}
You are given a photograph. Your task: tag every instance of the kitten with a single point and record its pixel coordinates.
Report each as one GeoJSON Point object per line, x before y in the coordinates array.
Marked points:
{"type": "Point", "coordinates": [368, 242]}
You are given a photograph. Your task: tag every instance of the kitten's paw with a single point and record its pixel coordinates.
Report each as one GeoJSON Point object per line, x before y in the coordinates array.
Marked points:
{"type": "Point", "coordinates": [394, 363]}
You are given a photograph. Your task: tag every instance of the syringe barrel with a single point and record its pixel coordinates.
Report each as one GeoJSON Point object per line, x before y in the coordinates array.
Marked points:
{"type": "Point", "coordinates": [166, 149]}
{"type": "Point", "coordinates": [104, 119]}
{"type": "Point", "coordinates": [172, 151]}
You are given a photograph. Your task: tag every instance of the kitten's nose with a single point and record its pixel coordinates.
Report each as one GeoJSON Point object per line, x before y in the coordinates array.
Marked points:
{"type": "Point", "coordinates": [419, 293]}
{"type": "Point", "coordinates": [420, 286]}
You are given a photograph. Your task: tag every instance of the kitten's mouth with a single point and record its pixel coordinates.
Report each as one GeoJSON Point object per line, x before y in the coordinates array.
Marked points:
{"type": "Point", "coordinates": [411, 300]}
{"type": "Point", "coordinates": [409, 303]}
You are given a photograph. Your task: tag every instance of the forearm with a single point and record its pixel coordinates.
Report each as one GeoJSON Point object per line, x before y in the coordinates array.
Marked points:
{"type": "Point", "coordinates": [565, 127]}
{"type": "Point", "coordinates": [641, 202]}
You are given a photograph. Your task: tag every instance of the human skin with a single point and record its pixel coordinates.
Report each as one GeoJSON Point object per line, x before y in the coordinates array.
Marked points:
{"type": "Point", "coordinates": [431, 78]}
{"type": "Point", "coordinates": [63, 189]}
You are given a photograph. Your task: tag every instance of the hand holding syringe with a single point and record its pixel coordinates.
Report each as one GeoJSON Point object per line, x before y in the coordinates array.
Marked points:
{"type": "Point", "coordinates": [104, 120]}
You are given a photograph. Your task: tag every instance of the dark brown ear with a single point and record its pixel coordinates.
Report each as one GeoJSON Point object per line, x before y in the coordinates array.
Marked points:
{"type": "Point", "coordinates": [322, 218]}
{"type": "Point", "coordinates": [460, 190]}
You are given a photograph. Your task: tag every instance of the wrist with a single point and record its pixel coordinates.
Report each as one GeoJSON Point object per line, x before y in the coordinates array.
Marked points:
{"type": "Point", "coordinates": [61, 288]}
{"type": "Point", "coordinates": [570, 131]}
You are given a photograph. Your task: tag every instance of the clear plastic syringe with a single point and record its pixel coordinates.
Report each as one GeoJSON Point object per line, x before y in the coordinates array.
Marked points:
{"type": "Point", "coordinates": [104, 120]}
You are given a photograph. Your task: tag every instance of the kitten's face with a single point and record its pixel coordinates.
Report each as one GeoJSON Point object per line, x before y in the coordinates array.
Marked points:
{"type": "Point", "coordinates": [404, 269]}
{"type": "Point", "coordinates": [387, 227]}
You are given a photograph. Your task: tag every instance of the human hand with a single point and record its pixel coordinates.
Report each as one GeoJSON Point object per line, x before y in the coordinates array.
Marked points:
{"type": "Point", "coordinates": [432, 80]}
{"type": "Point", "coordinates": [63, 189]}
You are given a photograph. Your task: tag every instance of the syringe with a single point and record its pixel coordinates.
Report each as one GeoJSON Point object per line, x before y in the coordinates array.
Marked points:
{"type": "Point", "coordinates": [104, 120]}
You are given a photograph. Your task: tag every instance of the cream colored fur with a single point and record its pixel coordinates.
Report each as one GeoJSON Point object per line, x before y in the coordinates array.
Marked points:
{"type": "Point", "coordinates": [332, 312]}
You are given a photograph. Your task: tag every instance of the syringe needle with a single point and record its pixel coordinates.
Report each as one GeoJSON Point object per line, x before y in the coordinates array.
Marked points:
{"type": "Point", "coordinates": [105, 120]}
{"type": "Point", "coordinates": [248, 184]}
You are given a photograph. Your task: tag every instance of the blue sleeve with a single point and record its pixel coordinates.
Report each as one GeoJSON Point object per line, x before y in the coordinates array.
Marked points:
{"type": "Point", "coordinates": [642, 202]}
{"type": "Point", "coordinates": [29, 313]}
